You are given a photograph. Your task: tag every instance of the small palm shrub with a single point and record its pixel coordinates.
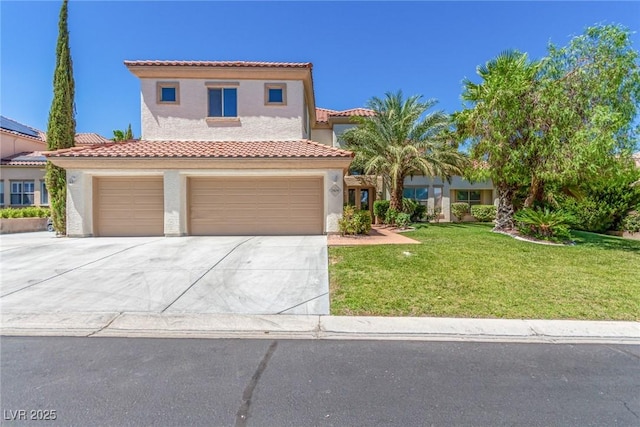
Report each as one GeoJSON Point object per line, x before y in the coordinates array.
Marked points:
{"type": "Point", "coordinates": [460, 209]}
{"type": "Point", "coordinates": [483, 213]}
{"type": "Point", "coordinates": [403, 220]}
{"type": "Point", "coordinates": [380, 208]}
{"type": "Point", "coordinates": [354, 222]}
{"type": "Point", "coordinates": [28, 212]}
{"type": "Point", "coordinates": [544, 224]}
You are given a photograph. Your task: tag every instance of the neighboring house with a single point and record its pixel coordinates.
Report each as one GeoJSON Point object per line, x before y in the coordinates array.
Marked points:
{"type": "Point", "coordinates": [22, 164]}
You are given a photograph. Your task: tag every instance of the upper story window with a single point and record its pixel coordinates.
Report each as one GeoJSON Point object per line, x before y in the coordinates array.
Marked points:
{"type": "Point", "coordinates": [168, 93]}
{"type": "Point", "coordinates": [223, 102]}
{"type": "Point", "coordinates": [275, 94]}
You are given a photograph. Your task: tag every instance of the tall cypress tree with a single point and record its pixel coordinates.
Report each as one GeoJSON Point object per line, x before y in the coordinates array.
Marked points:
{"type": "Point", "coordinates": [61, 128]}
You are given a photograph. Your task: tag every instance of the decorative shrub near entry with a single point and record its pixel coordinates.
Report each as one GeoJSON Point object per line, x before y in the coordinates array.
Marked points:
{"type": "Point", "coordinates": [380, 208]}
{"type": "Point", "coordinates": [483, 213]}
{"type": "Point", "coordinates": [403, 220]}
{"type": "Point", "coordinates": [28, 212]}
{"type": "Point", "coordinates": [354, 222]}
{"type": "Point", "coordinates": [460, 209]}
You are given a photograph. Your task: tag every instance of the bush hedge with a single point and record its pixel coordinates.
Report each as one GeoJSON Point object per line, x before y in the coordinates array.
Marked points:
{"type": "Point", "coordinates": [631, 222]}
{"type": "Point", "coordinates": [380, 208]}
{"type": "Point", "coordinates": [28, 212]}
{"type": "Point", "coordinates": [483, 213]}
{"type": "Point", "coordinates": [354, 222]}
{"type": "Point", "coordinates": [460, 209]}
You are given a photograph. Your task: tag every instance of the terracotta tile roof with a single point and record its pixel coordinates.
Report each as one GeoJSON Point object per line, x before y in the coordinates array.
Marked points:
{"type": "Point", "coordinates": [90, 138]}
{"type": "Point", "coordinates": [80, 138]}
{"type": "Point", "coordinates": [220, 64]}
{"type": "Point", "coordinates": [35, 158]}
{"type": "Point", "coordinates": [205, 149]}
{"type": "Point", "coordinates": [324, 114]}
{"type": "Point", "coordinates": [362, 112]}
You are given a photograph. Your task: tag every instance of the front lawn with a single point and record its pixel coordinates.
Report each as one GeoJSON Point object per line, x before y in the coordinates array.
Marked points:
{"type": "Point", "coordinates": [465, 270]}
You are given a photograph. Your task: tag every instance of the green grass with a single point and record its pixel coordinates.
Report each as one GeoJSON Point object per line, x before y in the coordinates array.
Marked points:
{"type": "Point", "coordinates": [465, 270]}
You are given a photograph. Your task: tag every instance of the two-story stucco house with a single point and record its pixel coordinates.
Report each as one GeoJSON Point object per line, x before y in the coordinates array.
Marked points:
{"type": "Point", "coordinates": [225, 148]}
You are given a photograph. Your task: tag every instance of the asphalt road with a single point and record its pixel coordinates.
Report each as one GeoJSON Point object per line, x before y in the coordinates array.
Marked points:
{"type": "Point", "coordinates": [181, 382]}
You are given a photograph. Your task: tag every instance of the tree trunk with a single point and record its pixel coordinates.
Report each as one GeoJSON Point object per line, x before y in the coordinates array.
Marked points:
{"type": "Point", "coordinates": [505, 211]}
{"type": "Point", "coordinates": [536, 193]}
{"type": "Point", "coordinates": [396, 196]}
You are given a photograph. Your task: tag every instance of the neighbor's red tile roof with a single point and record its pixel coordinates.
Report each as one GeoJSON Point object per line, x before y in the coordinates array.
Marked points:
{"type": "Point", "coordinates": [90, 138]}
{"type": "Point", "coordinates": [205, 149]}
{"type": "Point", "coordinates": [324, 114]}
{"type": "Point", "coordinates": [220, 64]}
{"type": "Point", "coordinates": [35, 158]}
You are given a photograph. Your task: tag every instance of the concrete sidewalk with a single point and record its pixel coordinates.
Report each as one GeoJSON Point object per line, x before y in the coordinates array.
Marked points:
{"type": "Point", "coordinates": [172, 325]}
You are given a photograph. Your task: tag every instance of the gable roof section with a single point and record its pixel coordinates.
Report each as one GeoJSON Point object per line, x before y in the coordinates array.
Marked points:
{"type": "Point", "coordinates": [295, 149]}
{"type": "Point", "coordinates": [323, 115]}
{"type": "Point", "coordinates": [244, 64]}
{"type": "Point", "coordinates": [35, 158]}
{"type": "Point", "coordinates": [16, 128]}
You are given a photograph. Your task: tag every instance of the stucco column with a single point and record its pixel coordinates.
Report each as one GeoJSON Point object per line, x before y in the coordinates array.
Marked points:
{"type": "Point", "coordinates": [333, 199]}
{"type": "Point", "coordinates": [446, 201]}
{"type": "Point", "coordinates": [175, 203]}
{"type": "Point", "coordinates": [79, 204]}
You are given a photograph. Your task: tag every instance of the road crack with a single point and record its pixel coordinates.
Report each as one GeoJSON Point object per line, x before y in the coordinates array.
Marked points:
{"type": "Point", "coordinates": [242, 415]}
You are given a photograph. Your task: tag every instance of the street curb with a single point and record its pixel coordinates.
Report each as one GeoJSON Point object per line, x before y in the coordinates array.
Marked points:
{"type": "Point", "coordinates": [187, 325]}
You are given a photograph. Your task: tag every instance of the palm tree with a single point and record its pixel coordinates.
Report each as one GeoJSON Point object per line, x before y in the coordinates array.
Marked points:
{"type": "Point", "coordinates": [401, 139]}
{"type": "Point", "coordinates": [122, 135]}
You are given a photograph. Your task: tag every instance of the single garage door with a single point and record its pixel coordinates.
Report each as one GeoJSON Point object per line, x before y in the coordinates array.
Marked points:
{"type": "Point", "coordinates": [261, 206]}
{"type": "Point", "coordinates": [129, 206]}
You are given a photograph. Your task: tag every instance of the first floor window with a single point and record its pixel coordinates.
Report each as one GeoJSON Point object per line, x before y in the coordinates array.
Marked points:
{"type": "Point", "coordinates": [223, 102]}
{"type": "Point", "coordinates": [470, 196]}
{"type": "Point", "coordinates": [419, 194]}
{"type": "Point", "coordinates": [44, 194]}
{"type": "Point", "coordinates": [22, 192]}
{"type": "Point", "coordinates": [2, 193]}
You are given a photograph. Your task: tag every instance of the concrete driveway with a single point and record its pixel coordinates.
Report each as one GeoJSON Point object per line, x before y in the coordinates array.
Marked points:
{"type": "Point", "coordinates": [251, 275]}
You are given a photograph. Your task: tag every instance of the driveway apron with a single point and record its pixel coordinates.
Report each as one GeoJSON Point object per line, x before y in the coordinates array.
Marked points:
{"type": "Point", "coordinates": [230, 274]}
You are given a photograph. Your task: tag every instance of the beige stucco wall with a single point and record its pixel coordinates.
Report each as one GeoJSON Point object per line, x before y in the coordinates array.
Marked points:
{"type": "Point", "coordinates": [26, 173]}
{"type": "Point", "coordinates": [12, 144]}
{"type": "Point", "coordinates": [187, 120]}
{"type": "Point", "coordinates": [323, 136]}
{"type": "Point", "coordinates": [80, 195]}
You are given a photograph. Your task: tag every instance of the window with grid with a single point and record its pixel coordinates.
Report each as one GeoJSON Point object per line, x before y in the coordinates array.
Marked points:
{"type": "Point", "coordinates": [22, 193]}
{"type": "Point", "coordinates": [44, 194]}
{"type": "Point", "coordinates": [472, 197]}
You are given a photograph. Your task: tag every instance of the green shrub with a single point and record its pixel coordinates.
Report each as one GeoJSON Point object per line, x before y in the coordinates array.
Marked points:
{"type": "Point", "coordinates": [354, 222]}
{"type": "Point", "coordinates": [432, 215]}
{"type": "Point", "coordinates": [390, 216]}
{"type": "Point", "coordinates": [483, 213]}
{"type": "Point", "coordinates": [631, 222]}
{"type": "Point", "coordinates": [380, 208]}
{"type": "Point", "coordinates": [28, 212]}
{"type": "Point", "coordinates": [403, 220]}
{"type": "Point", "coordinates": [460, 209]}
{"type": "Point", "coordinates": [544, 224]}
{"type": "Point", "coordinates": [589, 214]}
{"type": "Point", "coordinates": [415, 210]}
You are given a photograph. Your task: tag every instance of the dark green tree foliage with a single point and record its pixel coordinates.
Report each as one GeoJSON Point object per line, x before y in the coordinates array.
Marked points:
{"type": "Point", "coordinates": [122, 135]}
{"type": "Point", "coordinates": [553, 124]}
{"type": "Point", "coordinates": [61, 128]}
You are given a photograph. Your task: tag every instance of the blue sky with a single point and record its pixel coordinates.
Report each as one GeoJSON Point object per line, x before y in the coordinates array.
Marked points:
{"type": "Point", "coordinates": [359, 49]}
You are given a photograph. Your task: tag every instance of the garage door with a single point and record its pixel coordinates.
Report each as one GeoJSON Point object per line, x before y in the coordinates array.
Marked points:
{"type": "Point", "coordinates": [261, 206]}
{"type": "Point", "coordinates": [130, 206]}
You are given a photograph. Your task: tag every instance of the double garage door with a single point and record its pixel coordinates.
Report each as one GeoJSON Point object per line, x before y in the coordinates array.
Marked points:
{"type": "Point", "coordinates": [134, 206]}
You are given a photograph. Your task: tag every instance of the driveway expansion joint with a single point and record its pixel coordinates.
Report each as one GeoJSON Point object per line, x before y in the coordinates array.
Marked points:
{"type": "Point", "coordinates": [113, 319]}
